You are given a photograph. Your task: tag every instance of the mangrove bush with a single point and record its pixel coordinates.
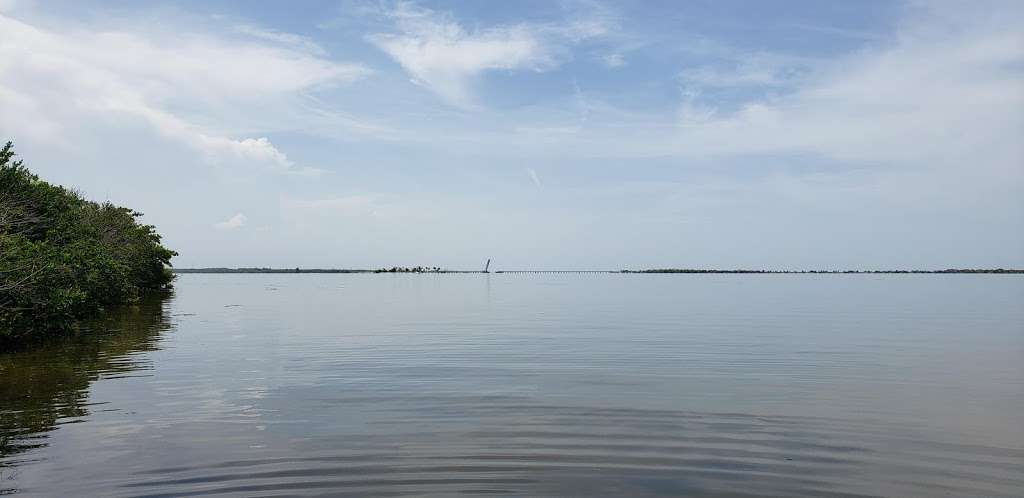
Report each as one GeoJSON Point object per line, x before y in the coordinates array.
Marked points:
{"type": "Point", "coordinates": [63, 257]}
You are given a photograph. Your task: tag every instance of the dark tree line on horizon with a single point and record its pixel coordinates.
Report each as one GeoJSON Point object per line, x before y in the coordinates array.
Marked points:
{"type": "Point", "coordinates": [948, 270]}
{"type": "Point", "coordinates": [266, 270]}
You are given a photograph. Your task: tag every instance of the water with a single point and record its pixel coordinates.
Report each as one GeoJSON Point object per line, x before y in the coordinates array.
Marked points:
{"type": "Point", "coordinates": [543, 385]}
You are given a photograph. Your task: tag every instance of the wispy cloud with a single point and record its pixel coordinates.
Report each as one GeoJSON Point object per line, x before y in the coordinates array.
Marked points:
{"type": "Point", "coordinates": [533, 176]}
{"type": "Point", "coordinates": [614, 60]}
{"type": "Point", "coordinates": [442, 55]}
{"type": "Point", "coordinates": [232, 223]}
{"type": "Point", "coordinates": [844, 32]}
{"type": "Point", "coordinates": [72, 78]}
{"type": "Point", "coordinates": [758, 69]}
{"type": "Point", "coordinates": [7, 5]}
{"type": "Point", "coordinates": [663, 123]}
{"type": "Point", "coordinates": [932, 98]}
{"type": "Point", "coordinates": [439, 54]}
{"type": "Point", "coordinates": [357, 205]}
{"type": "Point", "coordinates": [942, 95]}
{"type": "Point", "coordinates": [303, 43]}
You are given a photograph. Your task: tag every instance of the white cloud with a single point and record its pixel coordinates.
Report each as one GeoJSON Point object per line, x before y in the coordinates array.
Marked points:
{"type": "Point", "coordinates": [184, 86]}
{"type": "Point", "coordinates": [446, 58]}
{"type": "Point", "coordinates": [533, 176]}
{"type": "Point", "coordinates": [9, 5]}
{"type": "Point", "coordinates": [232, 223]}
{"type": "Point", "coordinates": [303, 43]}
{"type": "Point", "coordinates": [215, 149]}
{"type": "Point", "coordinates": [360, 214]}
{"type": "Point", "coordinates": [614, 60]}
{"type": "Point", "coordinates": [439, 53]}
{"type": "Point", "coordinates": [760, 69]}
{"type": "Point", "coordinates": [353, 205]}
{"type": "Point", "coordinates": [843, 32]}
{"type": "Point", "coordinates": [943, 97]}
{"type": "Point", "coordinates": [932, 98]}
{"type": "Point", "coordinates": [364, 207]}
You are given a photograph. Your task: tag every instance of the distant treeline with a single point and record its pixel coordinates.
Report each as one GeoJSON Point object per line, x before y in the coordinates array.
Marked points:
{"type": "Point", "coordinates": [950, 270]}
{"type": "Point", "coordinates": [266, 270]}
{"type": "Point", "coordinates": [63, 258]}
{"type": "Point", "coordinates": [394, 269]}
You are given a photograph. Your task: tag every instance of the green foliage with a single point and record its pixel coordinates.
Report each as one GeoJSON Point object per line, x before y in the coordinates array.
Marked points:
{"type": "Point", "coordinates": [63, 258]}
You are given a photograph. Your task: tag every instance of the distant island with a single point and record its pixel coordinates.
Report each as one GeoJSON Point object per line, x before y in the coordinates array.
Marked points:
{"type": "Point", "coordinates": [948, 270]}
{"type": "Point", "coordinates": [436, 269]}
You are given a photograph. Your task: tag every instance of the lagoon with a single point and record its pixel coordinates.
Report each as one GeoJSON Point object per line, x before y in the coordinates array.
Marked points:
{"type": "Point", "coordinates": [530, 385]}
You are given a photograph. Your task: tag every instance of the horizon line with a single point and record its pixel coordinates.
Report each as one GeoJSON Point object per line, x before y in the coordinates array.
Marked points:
{"type": "Point", "coordinates": [217, 269]}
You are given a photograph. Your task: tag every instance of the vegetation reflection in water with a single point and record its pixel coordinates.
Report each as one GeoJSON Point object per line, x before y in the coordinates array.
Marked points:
{"type": "Point", "coordinates": [44, 387]}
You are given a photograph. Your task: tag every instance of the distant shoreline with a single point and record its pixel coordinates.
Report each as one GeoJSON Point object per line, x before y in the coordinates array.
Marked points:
{"type": "Point", "coordinates": [649, 271]}
{"type": "Point", "coordinates": [267, 270]}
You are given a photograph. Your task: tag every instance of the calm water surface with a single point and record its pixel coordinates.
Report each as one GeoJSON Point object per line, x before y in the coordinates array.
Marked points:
{"type": "Point", "coordinates": [543, 385]}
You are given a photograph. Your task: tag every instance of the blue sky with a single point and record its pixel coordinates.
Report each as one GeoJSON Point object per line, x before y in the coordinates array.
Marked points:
{"type": "Point", "coordinates": [576, 134]}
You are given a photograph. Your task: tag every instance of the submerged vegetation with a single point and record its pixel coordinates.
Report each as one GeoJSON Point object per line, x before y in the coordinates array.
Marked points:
{"type": "Point", "coordinates": [63, 258]}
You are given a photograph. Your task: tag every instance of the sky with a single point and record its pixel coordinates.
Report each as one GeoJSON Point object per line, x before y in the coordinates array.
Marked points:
{"type": "Point", "coordinates": [541, 134]}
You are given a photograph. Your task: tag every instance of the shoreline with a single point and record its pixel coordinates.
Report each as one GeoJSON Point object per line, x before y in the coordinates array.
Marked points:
{"type": "Point", "coordinates": [993, 271]}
